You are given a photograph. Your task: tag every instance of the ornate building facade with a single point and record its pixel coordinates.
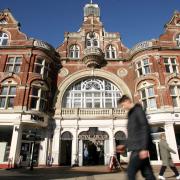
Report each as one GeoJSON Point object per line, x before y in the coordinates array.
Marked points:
{"type": "Point", "coordinates": [55, 103]}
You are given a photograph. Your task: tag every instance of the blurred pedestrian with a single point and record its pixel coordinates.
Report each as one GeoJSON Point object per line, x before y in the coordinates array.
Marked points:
{"type": "Point", "coordinates": [139, 140]}
{"type": "Point", "coordinates": [165, 151]}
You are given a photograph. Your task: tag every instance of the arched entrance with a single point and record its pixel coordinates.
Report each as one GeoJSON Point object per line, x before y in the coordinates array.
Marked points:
{"type": "Point", "coordinates": [120, 139]}
{"type": "Point", "coordinates": [91, 145]}
{"type": "Point", "coordinates": [66, 149]}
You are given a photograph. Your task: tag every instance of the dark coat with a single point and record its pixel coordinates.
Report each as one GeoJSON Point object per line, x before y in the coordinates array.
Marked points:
{"type": "Point", "coordinates": [139, 137]}
{"type": "Point", "coordinates": [165, 151]}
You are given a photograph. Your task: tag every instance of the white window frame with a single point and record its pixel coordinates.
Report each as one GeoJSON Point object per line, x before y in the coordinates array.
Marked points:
{"type": "Point", "coordinates": [92, 93]}
{"type": "Point", "coordinates": [143, 67]}
{"type": "Point", "coordinates": [3, 38]}
{"type": "Point", "coordinates": [178, 40]}
{"type": "Point", "coordinates": [74, 51]}
{"type": "Point", "coordinates": [92, 40]}
{"type": "Point", "coordinates": [176, 94]}
{"type": "Point", "coordinates": [110, 49]}
{"type": "Point", "coordinates": [9, 85]}
{"type": "Point", "coordinates": [170, 64]}
{"type": "Point", "coordinates": [45, 67]}
{"type": "Point", "coordinates": [13, 64]}
{"type": "Point", "coordinates": [148, 97]}
{"type": "Point", "coordinates": [38, 97]}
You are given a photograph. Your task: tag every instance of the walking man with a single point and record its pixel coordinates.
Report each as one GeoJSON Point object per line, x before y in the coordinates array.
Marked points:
{"type": "Point", "coordinates": [139, 140]}
{"type": "Point", "coordinates": [165, 151]}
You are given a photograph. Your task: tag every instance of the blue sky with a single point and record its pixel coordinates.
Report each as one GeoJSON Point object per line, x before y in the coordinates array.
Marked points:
{"type": "Point", "coordinates": [135, 20]}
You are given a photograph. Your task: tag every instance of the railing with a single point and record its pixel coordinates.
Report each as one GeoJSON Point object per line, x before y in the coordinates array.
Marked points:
{"type": "Point", "coordinates": [42, 44]}
{"type": "Point", "coordinates": [83, 113]}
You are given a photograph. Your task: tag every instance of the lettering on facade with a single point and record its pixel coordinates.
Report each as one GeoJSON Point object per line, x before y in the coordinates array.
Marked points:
{"type": "Point", "coordinates": [94, 137]}
{"type": "Point", "coordinates": [140, 46]}
{"type": "Point", "coordinates": [37, 118]}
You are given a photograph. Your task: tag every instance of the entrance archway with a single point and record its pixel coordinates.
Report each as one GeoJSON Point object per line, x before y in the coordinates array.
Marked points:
{"type": "Point", "coordinates": [91, 145]}
{"type": "Point", "coordinates": [120, 139]}
{"type": "Point", "coordinates": [66, 149]}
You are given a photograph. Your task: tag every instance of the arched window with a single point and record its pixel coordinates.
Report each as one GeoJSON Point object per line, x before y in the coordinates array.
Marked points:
{"type": "Point", "coordinates": [175, 92]}
{"type": "Point", "coordinates": [39, 96]}
{"type": "Point", "coordinates": [74, 51]}
{"type": "Point", "coordinates": [111, 52]}
{"type": "Point", "coordinates": [178, 40]}
{"type": "Point", "coordinates": [3, 39]}
{"type": "Point", "coordinates": [92, 39]}
{"type": "Point", "coordinates": [7, 94]}
{"type": "Point", "coordinates": [147, 95]}
{"type": "Point", "coordinates": [92, 93]}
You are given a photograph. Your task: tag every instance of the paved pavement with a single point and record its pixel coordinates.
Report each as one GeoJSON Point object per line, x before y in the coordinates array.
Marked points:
{"type": "Point", "coordinates": [74, 173]}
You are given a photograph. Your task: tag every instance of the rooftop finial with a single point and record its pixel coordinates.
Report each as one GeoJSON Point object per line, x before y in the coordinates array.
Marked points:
{"type": "Point", "coordinates": [91, 2]}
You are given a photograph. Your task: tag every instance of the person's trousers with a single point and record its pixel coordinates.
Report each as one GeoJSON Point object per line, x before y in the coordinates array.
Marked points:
{"type": "Point", "coordinates": [136, 164]}
{"type": "Point", "coordinates": [174, 169]}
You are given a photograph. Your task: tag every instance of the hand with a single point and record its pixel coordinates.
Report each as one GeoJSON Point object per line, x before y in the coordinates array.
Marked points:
{"type": "Point", "coordinates": [120, 148]}
{"type": "Point", "coordinates": [143, 154]}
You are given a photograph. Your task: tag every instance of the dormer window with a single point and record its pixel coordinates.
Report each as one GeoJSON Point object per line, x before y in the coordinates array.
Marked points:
{"type": "Point", "coordinates": [3, 39]}
{"type": "Point", "coordinates": [74, 51]}
{"type": "Point", "coordinates": [92, 40]}
{"type": "Point", "coordinates": [178, 40]}
{"type": "Point", "coordinates": [111, 52]}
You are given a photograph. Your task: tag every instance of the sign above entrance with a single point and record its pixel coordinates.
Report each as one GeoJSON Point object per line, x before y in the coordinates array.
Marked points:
{"type": "Point", "coordinates": [93, 134]}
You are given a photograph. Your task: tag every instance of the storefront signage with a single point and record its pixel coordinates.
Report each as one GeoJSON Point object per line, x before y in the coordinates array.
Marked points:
{"type": "Point", "coordinates": [140, 46]}
{"type": "Point", "coordinates": [95, 137]}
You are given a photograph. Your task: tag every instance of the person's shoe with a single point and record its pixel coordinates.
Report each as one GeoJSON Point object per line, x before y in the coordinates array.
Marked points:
{"type": "Point", "coordinates": [178, 177]}
{"type": "Point", "coordinates": [161, 177]}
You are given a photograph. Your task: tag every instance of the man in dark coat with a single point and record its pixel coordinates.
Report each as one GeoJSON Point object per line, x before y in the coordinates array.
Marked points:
{"type": "Point", "coordinates": [165, 151]}
{"type": "Point", "coordinates": [139, 140]}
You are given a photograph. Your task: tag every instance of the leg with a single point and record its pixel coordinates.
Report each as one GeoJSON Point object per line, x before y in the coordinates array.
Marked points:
{"type": "Point", "coordinates": [146, 170]}
{"type": "Point", "coordinates": [162, 170]}
{"type": "Point", "coordinates": [134, 166]}
{"type": "Point", "coordinates": [175, 170]}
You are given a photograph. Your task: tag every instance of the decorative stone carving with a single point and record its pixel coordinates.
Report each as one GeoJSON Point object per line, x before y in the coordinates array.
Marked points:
{"type": "Point", "coordinates": [63, 72]}
{"type": "Point", "coordinates": [122, 72]}
{"type": "Point", "coordinates": [93, 57]}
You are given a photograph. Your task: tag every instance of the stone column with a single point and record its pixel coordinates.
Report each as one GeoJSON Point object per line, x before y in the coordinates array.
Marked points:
{"type": "Point", "coordinates": [74, 159]}
{"type": "Point", "coordinates": [171, 139]}
{"type": "Point", "coordinates": [56, 147]}
{"type": "Point", "coordinates": [15, 144]}
{"type": "Point", "coordinates": [43, 152]}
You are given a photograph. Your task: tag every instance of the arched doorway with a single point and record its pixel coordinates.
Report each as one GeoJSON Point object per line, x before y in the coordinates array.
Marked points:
{"type": "Point", "coordinates": [66, 149]}
{"type": "Point", "coordinates": [120, 139]}
{"type": "Point", "coordinates": [91, 144]}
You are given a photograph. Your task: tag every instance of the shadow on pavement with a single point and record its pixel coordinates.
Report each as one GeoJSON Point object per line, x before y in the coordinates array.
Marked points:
{"type": "Point", "coordinates": [54, 173]}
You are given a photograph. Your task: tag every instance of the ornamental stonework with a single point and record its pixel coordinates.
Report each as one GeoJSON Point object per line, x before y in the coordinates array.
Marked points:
{"type": "Point", "coordinates": [63, 72]}
{"type": "Point", "coordinates": [121, 72]}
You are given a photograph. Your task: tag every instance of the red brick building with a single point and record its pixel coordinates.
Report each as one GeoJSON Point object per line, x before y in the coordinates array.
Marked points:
{"type": "Point", "coordinates": [89, 72]}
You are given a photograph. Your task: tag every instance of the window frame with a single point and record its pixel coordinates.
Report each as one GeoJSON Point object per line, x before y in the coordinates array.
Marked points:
{"type": "Point", "coordinates": [176, 95]}
{"type": "Point", "coordinates": [8, 95]}
{"type": "Point", "coordinates": [170, 64]}
{"type": "Point", "coordinates": [110, 49]}
{"type": "Point", "coordinates": [13, 64]}
{"type": "Point", "coordinates": [148, 97]}
{"type": "Point", "coordinates": [3, 37]}
{"type": "Point", "coordinates": [38, 97]}
{"type": "Point", "coordinates": [45, 67]}
{"type": "Point", "coordinates": [142, 67]}
{"type": "Point", "coordinates": [73, 49]}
